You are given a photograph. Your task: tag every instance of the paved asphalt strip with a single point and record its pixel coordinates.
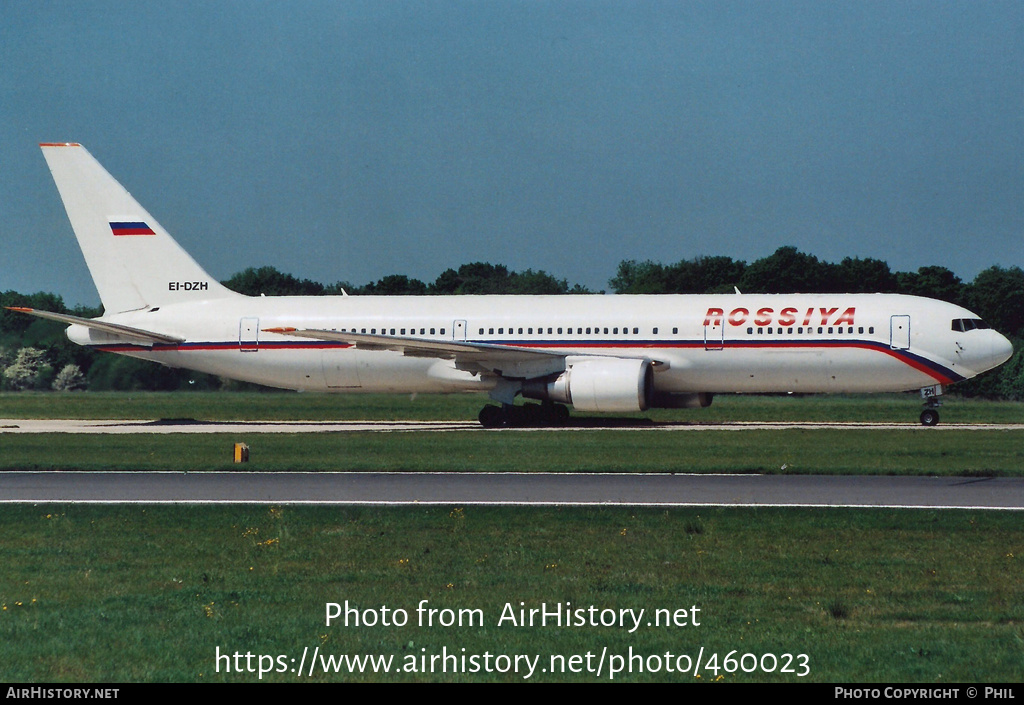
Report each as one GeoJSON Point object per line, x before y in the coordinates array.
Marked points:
{"type": "Point", "coordinates": [513, 489]}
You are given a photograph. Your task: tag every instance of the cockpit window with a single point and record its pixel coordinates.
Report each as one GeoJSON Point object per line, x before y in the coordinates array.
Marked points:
{"type": "Point", "coordinates": [965, 324]}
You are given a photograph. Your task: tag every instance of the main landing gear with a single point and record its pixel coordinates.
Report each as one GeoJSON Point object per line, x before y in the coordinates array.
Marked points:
{"type": "Point", "coordinates": [527, 415]}
{"type": "Point", "coordinates": [932, 397]}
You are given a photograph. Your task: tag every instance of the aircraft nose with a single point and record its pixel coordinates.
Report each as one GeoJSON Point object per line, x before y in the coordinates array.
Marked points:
{"type": "Point", "coordinates": [986, 351]}
{"type": "Point", "coordinates": [1002, 349]}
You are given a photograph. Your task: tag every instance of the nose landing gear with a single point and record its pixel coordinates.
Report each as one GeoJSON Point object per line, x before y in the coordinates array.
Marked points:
{"type": "Point", "coordinates": [932, 397]}
{"type": "Point", "coordinates": [929, 417]}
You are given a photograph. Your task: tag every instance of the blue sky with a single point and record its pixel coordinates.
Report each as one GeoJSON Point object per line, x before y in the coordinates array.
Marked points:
{"type": "Point", "coordinates": [351, 140]}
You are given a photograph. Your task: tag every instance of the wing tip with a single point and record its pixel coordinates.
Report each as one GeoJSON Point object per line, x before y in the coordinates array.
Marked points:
{"type": "Point", "coordinates": [59, 144]}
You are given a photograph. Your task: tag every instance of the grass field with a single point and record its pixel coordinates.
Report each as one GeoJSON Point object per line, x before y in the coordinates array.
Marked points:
{"type": "Point", "coordinates": [126, 594]}
{"type": "Point", "coordinates": [913, 450]}
{"type": "Point", "coordinates": [793, 451]}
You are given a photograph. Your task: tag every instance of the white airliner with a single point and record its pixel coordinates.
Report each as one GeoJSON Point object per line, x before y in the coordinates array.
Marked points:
{"type": "Point", "coordinates": [597, 353]}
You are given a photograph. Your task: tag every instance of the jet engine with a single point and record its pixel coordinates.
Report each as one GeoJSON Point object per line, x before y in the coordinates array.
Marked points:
{"type": "Point", "coordinates": [598, 384]}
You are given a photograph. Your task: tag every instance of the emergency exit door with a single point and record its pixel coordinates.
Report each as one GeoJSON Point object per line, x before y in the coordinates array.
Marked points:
{"type": "Point", "coordinates": [714, 335]}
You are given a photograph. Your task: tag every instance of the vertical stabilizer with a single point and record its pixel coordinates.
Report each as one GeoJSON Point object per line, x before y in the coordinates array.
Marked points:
{"type": "Point", "coordinates": [134, 262]}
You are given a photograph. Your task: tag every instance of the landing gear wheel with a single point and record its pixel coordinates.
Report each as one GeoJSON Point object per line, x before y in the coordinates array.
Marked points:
{"type": "Point", "coordinates": [560, 415]}
{"type": "Point", "coordinates": [929, 417]}
{"type": "Point", "coordinates": [491, 416]}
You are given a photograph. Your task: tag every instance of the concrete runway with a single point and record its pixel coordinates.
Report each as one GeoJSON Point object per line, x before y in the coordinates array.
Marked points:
{"type": "Point", "coordinates": [115, 426]}
{"type": "Point", "coordinates": [513, 489]}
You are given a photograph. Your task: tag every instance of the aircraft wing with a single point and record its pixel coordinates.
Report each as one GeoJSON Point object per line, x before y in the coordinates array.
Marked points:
{"type": "Point", "coordinates": [504, 360]}
{"type": "Point", "coordinates": [148, 337]}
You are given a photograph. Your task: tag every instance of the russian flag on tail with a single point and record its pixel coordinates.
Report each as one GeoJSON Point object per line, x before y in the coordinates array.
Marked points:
{"type": "Point", "coordinates": [131, 229]}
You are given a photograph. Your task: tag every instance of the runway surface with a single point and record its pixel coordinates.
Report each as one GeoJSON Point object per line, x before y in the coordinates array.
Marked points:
{"type": "Point", "coordinates": [492, 488]}
{"type": "Point", "coordinates": [513, 489]}
{"type": "Point", "coordinates": [113, 426]}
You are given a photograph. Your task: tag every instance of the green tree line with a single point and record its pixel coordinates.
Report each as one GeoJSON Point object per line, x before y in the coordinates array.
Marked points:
{"type": "Point", "coordinates": [35, 354]}
{"type": "Point", "coordinates": [474, 278]}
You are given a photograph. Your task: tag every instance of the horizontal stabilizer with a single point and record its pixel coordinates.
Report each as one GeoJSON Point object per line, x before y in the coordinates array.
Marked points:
{"type": "Point", "coordinates": [105, 326]}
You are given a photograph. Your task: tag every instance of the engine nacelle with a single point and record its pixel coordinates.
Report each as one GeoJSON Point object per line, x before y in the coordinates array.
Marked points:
{"type": "Point", "coordinates": [598, 384]}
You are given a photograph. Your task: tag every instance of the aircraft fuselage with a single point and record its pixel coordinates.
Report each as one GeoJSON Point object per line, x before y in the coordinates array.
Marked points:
{"type": "Point", "coordinates": [710, 343]}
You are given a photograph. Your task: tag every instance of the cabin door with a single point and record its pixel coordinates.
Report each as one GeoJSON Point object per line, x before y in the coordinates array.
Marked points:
{"type": "Point", "coordinates": [249, 335]}
{"type": "Point", "coordinates": [899, 332]}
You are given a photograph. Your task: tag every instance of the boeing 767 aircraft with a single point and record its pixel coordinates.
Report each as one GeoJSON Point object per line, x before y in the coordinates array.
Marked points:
{"type": "Point", "coordinates": [597, 353]}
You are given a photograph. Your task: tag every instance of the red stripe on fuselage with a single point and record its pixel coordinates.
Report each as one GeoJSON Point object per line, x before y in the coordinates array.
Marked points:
{"type": "Point", "coordinates": [567, 347]}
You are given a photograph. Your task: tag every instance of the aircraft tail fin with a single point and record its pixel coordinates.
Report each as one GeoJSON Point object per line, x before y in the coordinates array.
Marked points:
{"type": "Point", "coordinates": [134, 262]}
